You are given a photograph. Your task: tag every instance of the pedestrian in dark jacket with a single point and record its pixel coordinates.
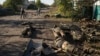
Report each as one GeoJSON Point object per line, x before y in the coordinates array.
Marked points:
{"type": "Point", "coordinates": [22, 13]}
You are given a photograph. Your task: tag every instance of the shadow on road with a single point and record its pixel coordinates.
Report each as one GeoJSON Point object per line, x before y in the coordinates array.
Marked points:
{"type": "Point", "coordinates": [12, 49]}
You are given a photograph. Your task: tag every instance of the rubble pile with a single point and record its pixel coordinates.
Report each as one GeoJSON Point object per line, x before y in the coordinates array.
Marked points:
{"type": "Point", "coordinates": [80, 36]}
{"type": "Point", "coordinates": [91, 29]}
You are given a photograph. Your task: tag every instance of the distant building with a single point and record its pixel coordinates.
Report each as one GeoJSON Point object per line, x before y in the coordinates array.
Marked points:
{"type": "Point", "coordinates": [82, 3]}
{"type": "Point", "coordinates": [96, 10]}
{"type": "Point", "coordinates": [87, 7]}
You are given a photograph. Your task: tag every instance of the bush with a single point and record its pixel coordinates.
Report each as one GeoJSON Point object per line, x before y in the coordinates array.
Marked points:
{"type": "Point", "coordinates": [13, 4]}
{"type": "Point", "coordinates": [32, 6]}
{"type": "Point", "coordinates": [3, 12]}
{"type": "Point", "coordinates": [58, 15]}
{"type": "Point", "coordinates": [7, 11]}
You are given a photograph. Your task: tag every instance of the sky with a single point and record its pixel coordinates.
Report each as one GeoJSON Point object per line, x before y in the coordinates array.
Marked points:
{"type": "Point", "coordinates": [1, 1]}
{"type": "Point", "coordinates": [49, 2]}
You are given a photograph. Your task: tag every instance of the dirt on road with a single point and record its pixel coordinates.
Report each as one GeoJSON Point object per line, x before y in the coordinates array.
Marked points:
{"type": "Point", "coordinates": [11, 42]}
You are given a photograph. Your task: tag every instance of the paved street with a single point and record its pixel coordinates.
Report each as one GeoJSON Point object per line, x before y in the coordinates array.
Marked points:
{"type": "Point", "coordinates": [11, 43]}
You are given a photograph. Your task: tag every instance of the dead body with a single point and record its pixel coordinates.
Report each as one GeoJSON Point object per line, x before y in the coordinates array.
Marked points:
{"type": "Point", "coordinates": [29, 30]}
{"type": "Point", "coordinates": [73, 47]}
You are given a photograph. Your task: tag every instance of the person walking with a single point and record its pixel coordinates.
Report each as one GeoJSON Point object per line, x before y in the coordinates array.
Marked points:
{"type": "Point", "coordinates": [38, 11]}
{"type": "Point", "coordinates": [22, 13]}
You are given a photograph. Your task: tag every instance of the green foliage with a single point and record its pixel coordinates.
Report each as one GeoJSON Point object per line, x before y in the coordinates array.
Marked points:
{"type": "Point", "coordinates": [0, 6]}
{"type": "Point", "coordinates": [38, 3]}
{"type": "Point", "coordinates": [44, 5]}
{"type": "Point", "coordinates": [64, 6]}
{"type": "Point", "coordinates": [12, 4]}
{"type": "Point", "coordinates": [32, 6]}
{"type": "Point", "coordinates": [55, 3]}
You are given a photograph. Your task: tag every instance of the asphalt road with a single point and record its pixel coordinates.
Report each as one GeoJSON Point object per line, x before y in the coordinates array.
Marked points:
{"type": "Point", "coordinates": [12, 44]}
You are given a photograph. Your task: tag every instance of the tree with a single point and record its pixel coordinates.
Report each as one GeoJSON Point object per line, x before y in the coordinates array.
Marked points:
{"type": "Point", "coordinates": [0, 6]}
{"type": "Point", "coordinates": [54, 4]}
{"type": "Point", "coordinates": [64, 6]}
{"type": "Point", "coordinates": [84, 8]}
{"type": "Point", "coordinates": [32, 6]}
{"type": "Point", "coordinates": [12, 4]}
{"type": "Point", "coordinates": [44, 5]}
{"type": "Point", "coordinates": [38, 3]}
